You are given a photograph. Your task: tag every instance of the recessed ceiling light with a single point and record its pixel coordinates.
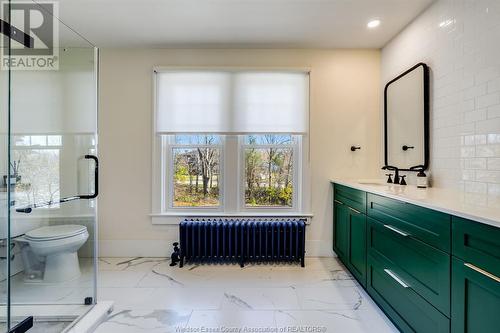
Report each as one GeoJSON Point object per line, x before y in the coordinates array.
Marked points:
{"type": "Point", "coordinates": [446, 23]}
{"type": "Point", "coordinates": [373, 24]}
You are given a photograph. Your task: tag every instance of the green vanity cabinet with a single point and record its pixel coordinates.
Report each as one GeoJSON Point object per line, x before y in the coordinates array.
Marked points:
{"type": "Point", "coordinates": [475, 300]}
{"type": "Point", "coordinates": [477, 243]}
{"type": "Point", "coordinates": [403, 305]}
{"type": "Point", "coordinates": [424, 268]}
{"type": "Point", "coordinates": [429, 226]}
{"type": "Point", "coordinates": [475, 295]}
{"type": "Point", "coordinates": [350, 197]}
{"type": "Point", "coordinates": [427, 270]}
{"type": "Point", "coordinates": [356, 252]}
{"type": "Point", "coordinates": [349, 230]}
{"type": "Point", "coordinates": [340, 230]}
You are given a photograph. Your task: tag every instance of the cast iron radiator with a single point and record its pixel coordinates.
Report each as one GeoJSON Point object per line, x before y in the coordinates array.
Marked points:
{"type": "Point", "coordinates": [242, 240]}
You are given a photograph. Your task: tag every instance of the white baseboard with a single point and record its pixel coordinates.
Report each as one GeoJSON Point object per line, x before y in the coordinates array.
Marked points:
{"type": "Point", "coordinates": [163, 248]}
{"type": "Point", "coordinates": [318, 248]}
{"type": "Point", "coordinates": [135, 248]}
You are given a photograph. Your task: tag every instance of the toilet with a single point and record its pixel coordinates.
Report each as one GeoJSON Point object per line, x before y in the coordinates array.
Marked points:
{"type": "Point", "coordinates": [50, 253]}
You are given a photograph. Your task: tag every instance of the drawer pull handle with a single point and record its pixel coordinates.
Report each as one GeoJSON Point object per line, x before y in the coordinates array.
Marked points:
{"type": "Point", "coordinates": [396, 278]}
{"type": "Point", "coordinates": [338, 202]}
{"type": "Point", "coordinates": [354, 210]}
{"type": "Point", "coordinates": [396, 230]}
{"type": "Point", "coordinates": [483, 272]}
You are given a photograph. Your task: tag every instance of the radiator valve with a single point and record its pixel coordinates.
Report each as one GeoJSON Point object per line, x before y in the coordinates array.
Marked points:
{"type": "Point", "coordinates": [175, 257]}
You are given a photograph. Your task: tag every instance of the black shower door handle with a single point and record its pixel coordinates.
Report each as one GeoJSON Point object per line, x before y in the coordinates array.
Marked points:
{"type": "Point", "coordinates": [96, 178]}
{"type": "Point", "coordinates": [29, 209]}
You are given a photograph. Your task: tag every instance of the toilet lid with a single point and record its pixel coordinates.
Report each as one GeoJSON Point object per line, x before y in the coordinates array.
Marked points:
{"type": "Point", "coordinates": [55, 232]}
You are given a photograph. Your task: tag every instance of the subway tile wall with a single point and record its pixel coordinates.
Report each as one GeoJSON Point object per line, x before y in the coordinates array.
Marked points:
{"type": "Point", "coordinates": [460, 41]}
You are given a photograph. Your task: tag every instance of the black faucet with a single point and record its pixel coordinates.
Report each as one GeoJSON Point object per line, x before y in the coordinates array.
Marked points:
{"type": "Point", "coordinates": [396, 172]}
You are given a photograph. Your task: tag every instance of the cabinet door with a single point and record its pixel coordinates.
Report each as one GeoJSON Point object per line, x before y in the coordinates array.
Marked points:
{"type": "Point", "coordinates": [407, 309]}
{"type": "Point", "coordinates": [356, 255]}
{"type": "Point", "coordinates": [425, 268]}
{"type": "Point", "coordinates": [475, 299]}
{"type": "Point", "coordinates": [340, 230]}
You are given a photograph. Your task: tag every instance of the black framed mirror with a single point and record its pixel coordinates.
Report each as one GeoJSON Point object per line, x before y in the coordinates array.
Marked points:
{"type": "Point", "coordinates": [406, 120]}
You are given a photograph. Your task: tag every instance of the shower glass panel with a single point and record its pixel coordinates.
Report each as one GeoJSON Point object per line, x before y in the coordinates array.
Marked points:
{"type": "Point", "coordinates": [4, 205]}
{"type": "Point", "coordinates": [49, 141]}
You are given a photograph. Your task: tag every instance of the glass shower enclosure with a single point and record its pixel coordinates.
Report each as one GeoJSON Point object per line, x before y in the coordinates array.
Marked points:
{"type": "Point", "coordinates": [48, 169]}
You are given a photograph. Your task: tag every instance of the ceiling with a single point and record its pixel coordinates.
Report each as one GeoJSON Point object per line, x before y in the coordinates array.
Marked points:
{"type": "Point", "coordinates": [239, 23]}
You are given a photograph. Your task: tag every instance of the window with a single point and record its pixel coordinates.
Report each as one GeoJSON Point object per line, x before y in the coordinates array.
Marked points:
{"type": "Point", "coordinates": [194, 178]}
{"type": "Point", "coordinates": [229, 141]}
{"type": "Point", "coordinates": [269, 170]}
{"type": "Point", "coordinates": [35, 166]}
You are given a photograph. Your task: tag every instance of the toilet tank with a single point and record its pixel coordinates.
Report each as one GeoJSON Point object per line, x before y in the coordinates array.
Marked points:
{"type": "Point", "coordinates": [19, 226]}
{"type": "Point", "coordinates": [20, 223]}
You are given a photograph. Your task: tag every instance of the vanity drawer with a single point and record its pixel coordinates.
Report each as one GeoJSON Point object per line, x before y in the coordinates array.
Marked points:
{"type": "Point", "coordinates": [416, 222]}
{"type": "Point", "coordinates": [424, 268]}
{"type": "Point", "coordinates": [350, 197]}
{"type": "Point", "coordinates": [408, 311]}
{"type": "Point", "coordinates": [476, 243]}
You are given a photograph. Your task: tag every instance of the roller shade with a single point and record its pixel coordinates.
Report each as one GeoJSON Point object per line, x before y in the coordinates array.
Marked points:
{"type": "Point", "coordinates": [232, 102]}
{"type": "Point", "coordinates": [53, 102]}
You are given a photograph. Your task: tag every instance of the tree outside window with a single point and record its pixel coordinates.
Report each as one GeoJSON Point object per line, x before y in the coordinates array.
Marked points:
{"type": "Point", "coordinates": [37, 166]}
{"type": "Point", "coordinates": [196, 176]}
{"type": "Point", "coordinates": [269, 170]}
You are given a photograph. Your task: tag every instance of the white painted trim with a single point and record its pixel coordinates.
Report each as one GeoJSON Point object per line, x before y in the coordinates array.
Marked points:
{"type": "Point", "coordinates": [92, 319]}
{"type": "Point", "coordinates": [319, 248]}
{"type": "Point", "coordinates": [159, 69]}
{"type": "Point", "coordinates": [231, 185]}
{"type": "Point", "coordinates": [243, 214]}
{"type": "Point", "coordinates": [175, 218]}
{"type": "Point", "coordinates": [136, 248]}
{"type": "Point", "coordinates": [163, 248]}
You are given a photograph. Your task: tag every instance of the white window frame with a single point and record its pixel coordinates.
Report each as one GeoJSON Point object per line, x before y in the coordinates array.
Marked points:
{"type": "Point", "coordinates": [232, 184]}
{"type": "Point", "coordinates": [167, 146]}
{"type": "Point", "coordinates": [296, 181]}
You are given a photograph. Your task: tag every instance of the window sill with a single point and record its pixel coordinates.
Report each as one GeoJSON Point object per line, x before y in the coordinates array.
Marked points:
{"type": "Point", "coordinates": [170, 218]}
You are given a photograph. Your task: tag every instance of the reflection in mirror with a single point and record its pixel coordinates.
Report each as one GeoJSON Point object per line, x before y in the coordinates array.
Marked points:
{"type": "Point", "coordinates": [406, 114]}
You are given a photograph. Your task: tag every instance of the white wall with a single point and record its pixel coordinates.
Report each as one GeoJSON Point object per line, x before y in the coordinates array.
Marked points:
{"type": "Point", "coordinates": [459, 40]}
{"type": "Point", "coordinates": [345, 92]}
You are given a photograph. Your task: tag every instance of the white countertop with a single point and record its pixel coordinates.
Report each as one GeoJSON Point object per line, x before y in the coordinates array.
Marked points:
{"type": "Point", "coordinates": [478, 207]}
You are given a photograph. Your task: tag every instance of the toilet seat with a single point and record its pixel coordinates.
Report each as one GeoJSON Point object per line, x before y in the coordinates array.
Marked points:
{"type": "Point", "coordinates": [55, 232]}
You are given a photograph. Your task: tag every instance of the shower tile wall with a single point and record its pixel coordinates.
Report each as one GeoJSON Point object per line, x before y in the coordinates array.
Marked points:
{"type": "Point", "coordinates": [459, 40]}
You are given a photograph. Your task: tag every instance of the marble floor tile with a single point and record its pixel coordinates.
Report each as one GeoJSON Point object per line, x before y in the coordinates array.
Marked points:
{"type": "Point", "coordinates": [71, 292]}
{"type": "Point", "coordinates": [260, 299]}
{"type": "Point", "coordinates": [151, 321]}
{"type": "Point", "coordinates": [332, 298]}
{"type": "Point", "coordinates": [162, 275]}
{"type": "Point", "coordinates": [323, 264]}
{"type": "Point", "coordinates": [163, 298]}
{"type": "Point", "coordinates": [165, 276]}
{"type": "Point", "coordinates": [120, 279]}
{"type": "Point", "coordinates": [138, 264]}
{"type": "Point", "coordinates": [152, 296]}
{"type": "Point", "coordinates": [351, 321]}
{"type": "Point", "coordinates": [126, 298]}
{"type": "Point", "coordinates": [231, 319]}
